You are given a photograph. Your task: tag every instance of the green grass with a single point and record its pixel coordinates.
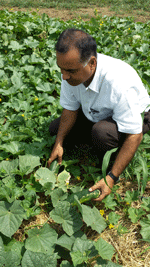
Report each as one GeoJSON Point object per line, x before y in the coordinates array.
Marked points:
{"type": "Point", "coordinates": [115, 5]}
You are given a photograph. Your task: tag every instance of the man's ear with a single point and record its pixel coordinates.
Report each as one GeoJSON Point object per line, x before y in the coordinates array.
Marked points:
{"type": "Point", "coordinates": [93, 62]}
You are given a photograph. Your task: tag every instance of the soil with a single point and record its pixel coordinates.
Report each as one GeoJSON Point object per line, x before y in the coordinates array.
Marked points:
{"type": "Point", "coordinates": [84, 13]}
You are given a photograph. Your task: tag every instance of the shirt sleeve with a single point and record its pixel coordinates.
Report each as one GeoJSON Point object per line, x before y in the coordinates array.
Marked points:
{"type": "Point", "coordinates": [127, 112]}
{"type": "Point", "coordinates": [67, 98]}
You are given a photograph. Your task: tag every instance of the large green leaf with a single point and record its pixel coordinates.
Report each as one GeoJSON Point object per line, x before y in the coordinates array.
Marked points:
{"type": "Point", "coordinates": [17, 79]}
{"type": "Point", "coordinates": [93, 218]}
{"type": "Point", "coordinates": [82, 251]}
{"type": "Point", "coordinates": [146, 204]}
{"type": "Point", "coordinates": [68, 241]}
{"type": "Point", "coordinates": [67, 216]}
{"type": "Point", "coordinates": [66, 264]}
{"type": "Point", "coordinates": [14, 45]}
{"type": "Point", "coordinates": [58, 195]}
{"type": "Point", "coordinates": [27, 163]}
{"type": "Point", "coordinates": [105, 250]}
{"type": "Point", "coordinates": [8, 258]}
{"type": "Point", "coordinates": [9, 167]}
{"type": "Point", "coordinates": [45, 87]}
{"type": "Point", "coordinates": [13, 147]}
{"type": "Point", "coordinates": [44, 175]}
{"type": "Point", "coordinates": [135, 214]}
{"type": "Point", "coordinates": [63, 180]}
{"type": "Point", "coordinates": [110, 202]}
{"type": "Point", "coordinates": [113, 217]}
{"type": "Point", "coordinates": [145, 228]}
{"type": "Point", "coordinates": [41, 240]}
{"type": "Point", "coordinates": [38, 259]}
{"type": "Point", "coordinates": [104, 263]}
{"type": "Point", "coordinates": [11, 216]}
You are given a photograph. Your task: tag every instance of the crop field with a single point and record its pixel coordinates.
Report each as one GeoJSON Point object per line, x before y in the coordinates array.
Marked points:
{"type": "Point", "coordinates": [43, 222]}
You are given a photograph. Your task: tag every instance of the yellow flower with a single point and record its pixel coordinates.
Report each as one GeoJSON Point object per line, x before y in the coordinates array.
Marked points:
{"type": "Point", "coordinates": [36, 99]}
{"type": "Point", "coordinates": [5, 51]}
{"type": "Point", "coordinates": [101, 212]}
{"type": "Point", "coordinates": [0, 99]}
{"type": "Point", "coordinates": [127, 203]}
{"type": "Point", "coordinates": [7, 159]}
{"type": "Point", "coordinates": [22, 115]}
{"type": "Point", "coordinates": [129, 29]}
{"type": "Point", "coordinates": [101, 24]}
{"type": "Point", "coordinates": [78, 178]}
{"type": "Point", "coordinates": [11, 9]}
{"type": "Point", "coordinates": [111, 226]}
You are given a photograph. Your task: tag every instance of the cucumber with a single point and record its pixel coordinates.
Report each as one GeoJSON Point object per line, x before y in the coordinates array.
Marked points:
{"type": "Point", "coordinates": [89, 196]}
{"type": "Point", "coordinates": [53, 166]}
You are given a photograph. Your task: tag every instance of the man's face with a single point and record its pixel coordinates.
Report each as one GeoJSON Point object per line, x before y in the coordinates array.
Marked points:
{"type": "Point", "coordinates": [73, 71]}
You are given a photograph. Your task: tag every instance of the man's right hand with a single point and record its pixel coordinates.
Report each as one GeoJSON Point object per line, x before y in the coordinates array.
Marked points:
{"type": "Point", "coordinates": [57, 153]}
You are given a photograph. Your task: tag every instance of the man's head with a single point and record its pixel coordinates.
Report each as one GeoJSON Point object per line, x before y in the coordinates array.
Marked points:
{"type": "Point", "coordinates": [76, 56]}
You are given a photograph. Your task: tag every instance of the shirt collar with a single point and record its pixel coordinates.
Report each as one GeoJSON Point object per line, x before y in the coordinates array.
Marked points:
{"type": "Point", "coordinates": [94, 85]}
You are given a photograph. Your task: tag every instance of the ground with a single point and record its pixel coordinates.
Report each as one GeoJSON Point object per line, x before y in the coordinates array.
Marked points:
{"type": "Point", "coordinates": [85, 13]}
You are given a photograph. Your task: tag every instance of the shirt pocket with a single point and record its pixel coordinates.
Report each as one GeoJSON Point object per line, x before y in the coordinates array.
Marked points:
{"type": "Point", "coordinates": [98, 115]}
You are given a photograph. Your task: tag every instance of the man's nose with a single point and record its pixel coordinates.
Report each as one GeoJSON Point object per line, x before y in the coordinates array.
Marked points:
{"type": "Point", "coordinates": [65, 75]}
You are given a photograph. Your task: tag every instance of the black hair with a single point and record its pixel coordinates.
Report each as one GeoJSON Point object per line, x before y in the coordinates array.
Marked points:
{"type": "Point", "coordinates": [74, 38]}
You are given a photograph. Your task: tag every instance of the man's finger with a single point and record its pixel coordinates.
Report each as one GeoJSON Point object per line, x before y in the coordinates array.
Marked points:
{"type": "Point", "coordinates": [59, 160]}
{"type": "Point", "coordinates": [94, 187]}
{"type": "Point", "coordinates": [49, 162]}
{"type": "Point", "coordinates": [100, 198]}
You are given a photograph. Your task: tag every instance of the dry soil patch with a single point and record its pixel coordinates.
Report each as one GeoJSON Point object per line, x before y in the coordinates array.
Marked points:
{"type": "Point", "coordinates": [84, 13]}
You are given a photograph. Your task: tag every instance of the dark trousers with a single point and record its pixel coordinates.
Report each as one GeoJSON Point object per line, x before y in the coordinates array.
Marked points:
{"type": "Point", "coordinates": [102, 136]}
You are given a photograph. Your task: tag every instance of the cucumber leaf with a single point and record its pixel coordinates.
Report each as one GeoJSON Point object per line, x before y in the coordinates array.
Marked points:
{"type": "Point", "coordinates": [68, 241]}
{"type": "Point", "coordinates": [135, 214]}
{"type": "Point", "coordinates": [93, 218]}
{"type": "Point", "coordinates": [58, 195]}
{"type": "Point", "coordinates": [82, 251]}
{"type": "Point", "coordinates": [63, 179]}
{"type": "Point", "coordinates": [8, 258]}
{"type": "Point", "coordinates": [28, 161]}
{"type": "Point", "coordinates": [44, 175]}
{"type": "Point", "coordinates": [145, 228]}
{"type": "Point", "coordinates": [105, 249]}
{"type": "Point", "coordinates": [67, 216]}
{"type": "Point", "coordinates": [66, 264]}
{"type": "Point", "coordinates": [104, 263]}
{"type": "Point", "coordinates": [39, 259]}
{"type": "Point", "coordinates": [11, 216]}
{"type": "Point", "coordinates": [41, 240]}
{"type": "Point", "coordinates": [8, 167]}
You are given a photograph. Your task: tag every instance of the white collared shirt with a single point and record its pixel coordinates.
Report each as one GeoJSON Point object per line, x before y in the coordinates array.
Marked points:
{"type": "Point", "coordinates": [116, 90]}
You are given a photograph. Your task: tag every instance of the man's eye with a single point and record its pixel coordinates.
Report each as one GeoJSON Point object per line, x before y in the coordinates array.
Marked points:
{"type": "Point", "coordinates": [72, 71]}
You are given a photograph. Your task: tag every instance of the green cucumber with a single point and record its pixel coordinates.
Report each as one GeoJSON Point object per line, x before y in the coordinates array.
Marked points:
{"type": "Point", "coordinates": [53, 166]}
{"type": "Point", "coordinates": [89, 196]}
